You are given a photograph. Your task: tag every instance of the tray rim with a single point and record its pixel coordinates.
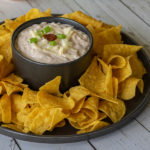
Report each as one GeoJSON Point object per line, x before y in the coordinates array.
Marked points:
{"type": "Point", "coordinates": [86, 136]}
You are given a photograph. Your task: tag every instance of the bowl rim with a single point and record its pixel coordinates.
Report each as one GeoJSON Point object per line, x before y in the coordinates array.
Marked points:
{"type": "Point", "coordinates": [46, 64]}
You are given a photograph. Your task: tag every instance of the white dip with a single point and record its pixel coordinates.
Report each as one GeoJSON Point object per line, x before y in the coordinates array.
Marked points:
{"type": "Point", "coordinates": [69, 44]}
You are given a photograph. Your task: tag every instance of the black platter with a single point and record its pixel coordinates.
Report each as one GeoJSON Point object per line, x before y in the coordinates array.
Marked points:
{"type": "Point", "coordinates": [67, 134]}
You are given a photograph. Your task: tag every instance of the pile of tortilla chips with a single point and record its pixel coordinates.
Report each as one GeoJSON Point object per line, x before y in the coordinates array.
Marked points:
{"type": "Point", "coordinates": [109, 81]}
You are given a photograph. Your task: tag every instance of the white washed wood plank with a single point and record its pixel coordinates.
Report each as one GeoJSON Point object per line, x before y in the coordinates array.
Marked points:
{"type": "Point", "coordinates": [56, 6]}
{"type": "Point", "coordinates": [11, 8]}
{"type": "Point", "coordinates": [144, 118]}
{"type": "Point", "coordinates": [96, 11]}
{"type": "Point", "coordinates": [7, 143]}
{"type": "Point", "coordinates": [69, 146]}
{"type": "Point", "coordinates": [131, 137]}
{"type": "Point", "coordinates": [131, 24]}
{"type": "Point", "coordinates": [140, 7]}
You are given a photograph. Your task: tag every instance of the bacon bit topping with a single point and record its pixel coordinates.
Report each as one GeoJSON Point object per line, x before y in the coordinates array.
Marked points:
{"type": "Point", "coordinates": [50, 37]}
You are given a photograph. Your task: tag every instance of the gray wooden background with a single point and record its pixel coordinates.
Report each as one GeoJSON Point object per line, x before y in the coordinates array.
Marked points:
{"type": "Point", "coordinates": [134, 15]}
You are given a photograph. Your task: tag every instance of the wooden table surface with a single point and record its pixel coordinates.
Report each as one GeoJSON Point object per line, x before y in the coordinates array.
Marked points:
{"type": "Point", "coordinates": [134, 15]}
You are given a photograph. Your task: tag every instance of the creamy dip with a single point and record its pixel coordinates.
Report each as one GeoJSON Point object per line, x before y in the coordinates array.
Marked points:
{"type": "Point", "coordinates": [52, 43]}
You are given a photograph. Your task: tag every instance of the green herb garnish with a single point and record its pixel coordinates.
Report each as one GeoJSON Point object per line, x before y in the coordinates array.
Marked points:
{"type": "Point", "coordinates": [39, 34]}
{"type": "Point", "coordinates": [33, 40]}
{"type": "Point", "coordinates": [47, 29]}
{"type": "Point", "coordinates": [52, 43]}
{"type": "Point", "coordinates": [61, 36]}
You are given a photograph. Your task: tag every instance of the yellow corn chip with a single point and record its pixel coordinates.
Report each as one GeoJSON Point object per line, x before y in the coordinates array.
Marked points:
{"type": "Point", "coordinates": [114, 111]}
{"type": "Point", "coordinates": [36, 13]}
{"type": "Point", "coordinates": [13, 79]}
{"type": "Point", "coordinates": [128, 88]}
{"type": "Point", "coordinates": [94, 80]}
{"type": "Point", "coordinates": [61, 124]}
{"type": "Point", "coordinates": [11, 88]}
{"type": "Point", "coordinates": [83, 19]}
{"type": "Point", "coordinates": [115, 87]}
{"type": "Point", "coordinates": [108, 82]}
{"type": "Point", "coordinates": [5, 68]}
{"type": "Point", "coordinates": [17, 103]}
{"type": "Point", "coordinates": [5, 104]}
{"type": "Point", "coordinates": [109, 36]}
{"type": "Point", "coordinates": [137, 67]}
{"type": "Point", "coordinates": [116, 61]}
{"type": "Point", "coordinates": [96, 125]}
{"type": "Point", "coordinates": [29, 96]}
{"type": "Point", "coordinates": [49, 101]}
{"type": "Point", "coordinates": [46, 120]}
{"type": "Point", "coordinates": [123, 73]}
{"type": "Point", "coordinates": [15, 127]}
{"type": "Point", "coordinates": [119, 49]}
{"type": "Point", "coordinates": [52, 86]}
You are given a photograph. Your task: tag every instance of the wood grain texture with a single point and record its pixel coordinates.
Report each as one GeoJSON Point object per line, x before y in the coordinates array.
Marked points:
{"type": "Point", "coordinates": [7, 143]}
{"type": "Point", "coordinates": [131, 137]}
{"type": "Point", "coordinates": [134, 17]}
{"type": "Point", "coordinates": [11, 8]}
{"type": "Point", "coordinates": [131, 24]}
{"type": "Point", "coordinates": [140, 8]}
{"type": "Point", "coordinates": [70, 146]}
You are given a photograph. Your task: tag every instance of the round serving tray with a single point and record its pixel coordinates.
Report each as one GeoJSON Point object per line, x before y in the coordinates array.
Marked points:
{"type": "Point", "coordinates": [68, 134]}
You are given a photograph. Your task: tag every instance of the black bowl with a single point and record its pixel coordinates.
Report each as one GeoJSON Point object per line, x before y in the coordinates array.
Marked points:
{"type": "Point", "coordinates": [36, 74]}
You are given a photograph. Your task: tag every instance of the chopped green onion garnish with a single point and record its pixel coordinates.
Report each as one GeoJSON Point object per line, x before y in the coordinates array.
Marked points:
{"type": "Point", "coordinates": [42, 32]}
{"type": "Point", "coordinates": [33, 40]}
{"type": "Point", "coordinates": [47, 29]}
{"type": "Point", "coordinates": [39, 34]}
{"type": "Point", "coordinates": [52, 43]}
{"type": "Point", "coordinates": [61, 36]}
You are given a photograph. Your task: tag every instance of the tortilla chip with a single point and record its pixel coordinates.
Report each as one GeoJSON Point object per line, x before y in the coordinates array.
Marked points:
{"type": "Point", "coordinates": [15, 127]}
{"type": "Point", "coordinates": [78, 92]}
{"type": "Point", "coordinates": [10, 88]}
{"type": "Point", "coordinates": [17, 103]}
{"type": "Point", "coordinates": [52, 86]}
{"type": "Point", "coordinates": [123, 73]}
{"type": "Point", "coordinates": [119, 49]}
{"type": "Point", "coordinates": [49, 101]}
{"type": "Point", "coordinates": [128, 88]}
{"type": "Point", "coordinates": [3, 31]}
{"type": "Point", "coordinates": [94, 80]}
{"type": "Point", "coordinates": [109, 36]}
{"type": "Point", "coordinates": [83, 19]}
{"type": "Point", "coordinates": [5, 47]}
{"type": "Point", "coordinates": [31, 116]}
{"type": "Point", "coordinates": [5, 68]}
{"type": "Point", "coordinates": [116, 61]}
{"type": "Point", "coordinates": [22, 115]}
{"type": "Point", "coordinates": [61, 124]}
{"type": "Point", "coordinates": [46, 120]}
{"type": "Point", "coordinates": [104, 66]}
{"type": "Point", "coordinates": [78, 106]}
{"type": "Point", "coordinates": [29, 96]}
{"type": "Point", "coordinates": [5, 104]}
{"type": "Point", "coordinates": [108, 82]}
{"type": "Point", "coordinates": [96, 125]}
{"type": "Point", "coordinates": [36, 13]}
{"type": "Point", "coordinates": [13, 79]}
{"type": "Point", "coordinates": [115, 87]}
{"type": "Point", "coordinates": [91, 107]}
{"type": "Point", "coordinates": [0, 114]}
{"type": "Point", "coordinates": [137, 67]}
{"type": "Point", "coordinates": [114, 111]}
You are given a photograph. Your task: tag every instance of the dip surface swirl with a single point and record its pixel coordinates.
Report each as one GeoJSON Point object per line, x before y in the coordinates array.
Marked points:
{"type": "Point", "coordinates": [52, 43]}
